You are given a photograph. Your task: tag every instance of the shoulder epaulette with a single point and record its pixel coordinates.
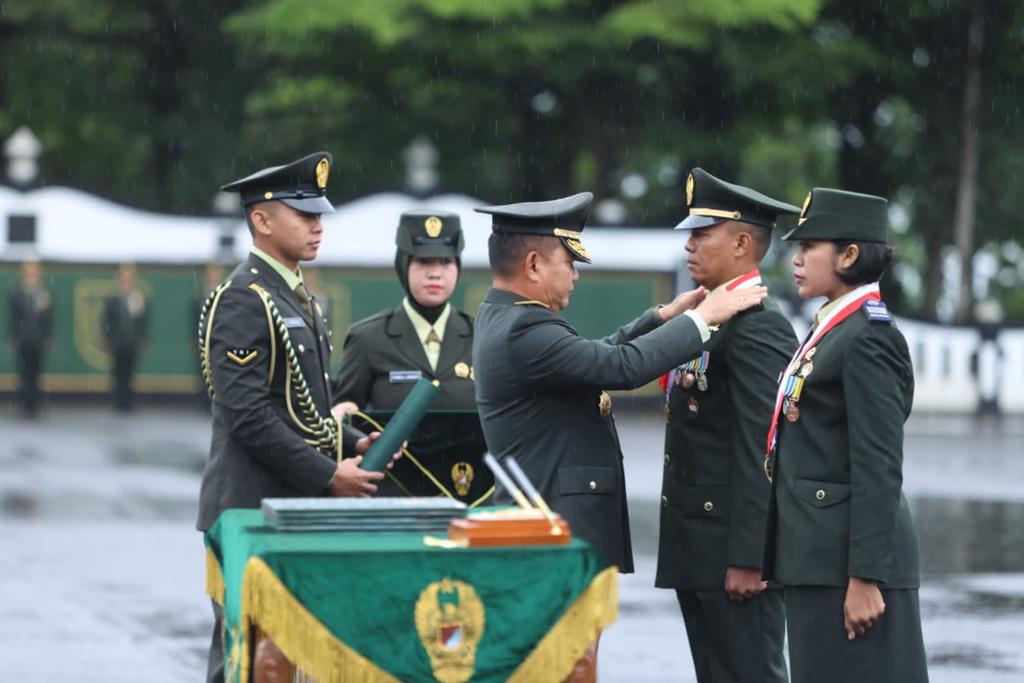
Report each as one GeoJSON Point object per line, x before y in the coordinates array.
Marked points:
{"type": "Point", "coordinates": [876, 311]}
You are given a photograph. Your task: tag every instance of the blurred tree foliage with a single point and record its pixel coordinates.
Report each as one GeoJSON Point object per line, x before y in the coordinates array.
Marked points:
{"type": "Point", "coordinates": [154, 103]}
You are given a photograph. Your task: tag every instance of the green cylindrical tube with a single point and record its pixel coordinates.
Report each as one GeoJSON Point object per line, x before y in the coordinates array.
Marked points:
{"type": "Point", "coordinates": [401, 426]}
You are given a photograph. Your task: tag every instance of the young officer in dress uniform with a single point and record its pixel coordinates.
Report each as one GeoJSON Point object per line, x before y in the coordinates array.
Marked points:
{"type": "Point", "coordinates": [30, 328]}
{"type": "Point", "coordinates": [840, 538]}
{"type": "Point", "coordinates": [715, 495]}
{"type": "Point", "coordinates": [424, 336]}
{"type": "Point", "coordinates": [540, 385]}
{"type": "Point", "coordinates": [266, 358]}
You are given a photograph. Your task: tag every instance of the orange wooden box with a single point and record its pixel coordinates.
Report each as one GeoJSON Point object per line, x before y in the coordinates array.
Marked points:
{"type": "Point", "coordinates": [511, 527]}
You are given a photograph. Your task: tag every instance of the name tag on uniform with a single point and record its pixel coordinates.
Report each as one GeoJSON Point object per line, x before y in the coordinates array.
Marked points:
{"type": "Point", "coordinates": [297, 321]}
{"type": "Point", "coordinates": [404, 376]}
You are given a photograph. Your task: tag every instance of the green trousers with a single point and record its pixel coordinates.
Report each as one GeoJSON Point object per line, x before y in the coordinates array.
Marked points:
{"type": "Point", "coordinates": [735, 642]}
{"type": "Point", "coordinates": [891, 651]}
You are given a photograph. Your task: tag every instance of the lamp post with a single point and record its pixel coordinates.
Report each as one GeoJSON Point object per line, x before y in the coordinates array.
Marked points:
{"type": "Point", "coordinates": [225, 207]}
{"type": "Point", "coordinates": [22, 151]}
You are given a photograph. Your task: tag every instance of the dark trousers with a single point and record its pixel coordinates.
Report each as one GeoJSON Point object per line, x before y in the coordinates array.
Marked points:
{"type": "Point", "coordinates": [735, 642]}
{"type": "Point", "coordinates": [30, 362]}
{"type": "Point", "coordinates": [215, 662]}
{"type": "Point", "coordinates": [891, 651]}
{"type": "Point", "coordinates": [124, 371]}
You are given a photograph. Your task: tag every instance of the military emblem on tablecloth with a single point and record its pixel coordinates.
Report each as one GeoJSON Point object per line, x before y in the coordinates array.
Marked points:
{"type": "Point", "coordinates": [462, 477]}
{"type": "Point", "coordinates": [433, 226]}
{"type": "Point", "coordinates": [450, 622]}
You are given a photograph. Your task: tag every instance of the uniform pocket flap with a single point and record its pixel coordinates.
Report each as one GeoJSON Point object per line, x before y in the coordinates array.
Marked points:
{"type": "Point", "coordinates": [821, 494]}
{"type": "Point", "coordinates": [705, 501]}
{"type": "Point", "coordinates": [593, 480]}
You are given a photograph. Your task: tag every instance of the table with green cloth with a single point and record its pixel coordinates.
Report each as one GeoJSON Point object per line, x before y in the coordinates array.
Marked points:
{"type": "Point", "coordinates": [387, 607]}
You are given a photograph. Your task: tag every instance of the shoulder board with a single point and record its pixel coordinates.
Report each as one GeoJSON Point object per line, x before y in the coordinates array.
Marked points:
{"type": "Point", "coordinates": [876, 311]}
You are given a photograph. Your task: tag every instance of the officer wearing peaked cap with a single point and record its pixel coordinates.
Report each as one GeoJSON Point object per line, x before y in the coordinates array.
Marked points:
{"type": "Point", "coordinates": [840, 536]}
{"type": "Point", "coordinates": [386, 354]}
{"type": "Point", "coordinates": [265, 358]}
{"type": "Point", "coordinates": [540, 385]}
{"type": "Point", "coordinates": [714, 492]}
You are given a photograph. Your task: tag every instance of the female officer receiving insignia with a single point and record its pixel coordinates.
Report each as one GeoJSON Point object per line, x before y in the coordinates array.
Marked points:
{"type": "Point", "coordinates": [840, 536]}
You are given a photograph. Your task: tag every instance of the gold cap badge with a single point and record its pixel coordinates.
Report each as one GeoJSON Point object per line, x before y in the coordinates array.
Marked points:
{"type": "Point", "coordinates": [322, 169]}
{"type": "Point", "coordinates": [433, 226]}
{"type": "Point", "coordinates": [689, 190]}
{"type": "Point", "coordinates": [807, 205]}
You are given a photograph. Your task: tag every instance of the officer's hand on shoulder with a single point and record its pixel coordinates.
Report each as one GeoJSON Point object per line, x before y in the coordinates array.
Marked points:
{"type": "Point", "coordinates": [721, 305]}
{"type": "Point", "coordinates": [682, 303]}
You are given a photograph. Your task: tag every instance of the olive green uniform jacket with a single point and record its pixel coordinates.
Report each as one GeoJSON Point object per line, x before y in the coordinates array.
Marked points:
{"type": "Point", "coordinates": [837, 507]}
{"type": "Point", "coordinates": [714, 501]}
{"type": "Point", "coordinates": [538, 388]}
{"type": "Point", "coordinates": [260, 446]}
{"type": "Point", "coordinates": [383, 355]}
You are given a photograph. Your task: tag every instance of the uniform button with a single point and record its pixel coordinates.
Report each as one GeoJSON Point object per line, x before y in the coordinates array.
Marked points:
{"type": "Point", "coordinates": [666, 459]}
{"type": "Point", "coordinates": [302, 349]}
{"type": "Point", "coordinates": [709, 506]}
{"type": "Point", "coordinates": [321, 338]}
{"type": "Point", "coordinates": [254, 271]}
{"type": "Point", "coordinates": [593, 486]}
{"type": "Point", "coordinates": [327, 376]}
{"type": "Point", "coordinates": [820, 495]}
{"type": "Point", "coordinates": [664, 501]}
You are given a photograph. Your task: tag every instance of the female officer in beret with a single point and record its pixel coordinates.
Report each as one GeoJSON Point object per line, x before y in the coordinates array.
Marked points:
{"type": "Point", "coordinates": [840, 536]}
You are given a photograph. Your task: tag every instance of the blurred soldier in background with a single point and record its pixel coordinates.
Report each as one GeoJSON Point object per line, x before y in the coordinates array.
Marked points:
{"type": "Point", "coordinates": [30, 328]}
{"type": "Point", "coordinates": [124, 324]}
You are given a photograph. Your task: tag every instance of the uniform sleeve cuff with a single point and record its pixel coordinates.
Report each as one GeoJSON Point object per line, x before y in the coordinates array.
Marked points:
{"type": "Point", "coordinates": [702, 327]}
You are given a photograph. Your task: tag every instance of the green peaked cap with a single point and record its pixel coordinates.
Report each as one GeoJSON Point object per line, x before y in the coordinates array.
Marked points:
{"type": "Point", "coordinates": [830, 214]}
{"type": "Point", "coordinates": [429, 233]}
{"type": "Point", "coordinates": [711, 200]}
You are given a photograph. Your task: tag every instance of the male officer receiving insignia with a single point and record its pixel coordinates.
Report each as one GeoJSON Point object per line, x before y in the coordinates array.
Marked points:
{"type": "Point", "coordinates": [424, 336]}
{"type": "Point", "coordinates": [540, 385]}
{"type": "Point", "coordinates": [714, 494]}
{"type": "Point", "coordinates": [840, 537]}
{"type": "Point", "coordinates": [266, 359]}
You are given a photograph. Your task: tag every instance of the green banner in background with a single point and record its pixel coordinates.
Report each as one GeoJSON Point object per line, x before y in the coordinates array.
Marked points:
{"type": "Point", "coordinates": [168, 364]}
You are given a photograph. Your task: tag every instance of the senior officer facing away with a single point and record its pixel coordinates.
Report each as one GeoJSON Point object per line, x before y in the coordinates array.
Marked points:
{"type": "Point", "coordinates": [714, 493]}
{"type": "Point", "coordinates": [540, 385]}
{"type": "Point", "coordinates": [263, 349]}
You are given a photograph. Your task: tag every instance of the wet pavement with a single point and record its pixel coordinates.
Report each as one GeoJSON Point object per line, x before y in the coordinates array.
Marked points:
{"type": "Point", "coordinates": [103, 574]}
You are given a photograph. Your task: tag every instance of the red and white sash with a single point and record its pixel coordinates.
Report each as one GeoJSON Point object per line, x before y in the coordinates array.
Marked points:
{"type": "Point", "coordinates": [845, 306]}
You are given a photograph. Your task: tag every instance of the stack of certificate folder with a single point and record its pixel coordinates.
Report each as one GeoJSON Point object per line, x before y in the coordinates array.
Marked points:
{"type": "Point", "coordinates": [413, 515]}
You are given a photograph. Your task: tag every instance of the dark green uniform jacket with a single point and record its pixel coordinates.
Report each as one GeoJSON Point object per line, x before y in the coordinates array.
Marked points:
{"type": "Point", "coordinates": [261, 431]}
{"type": "Point", "coordinates": [30, 318]}
{"type": "Point", "coordinates": [383, 356]}
{"type": "Point", "coordinates": [538, 388]}
{"type": "Point", "coordinates": [715, 494]}
{"type": "Point", "coordinates": [837, 507]}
